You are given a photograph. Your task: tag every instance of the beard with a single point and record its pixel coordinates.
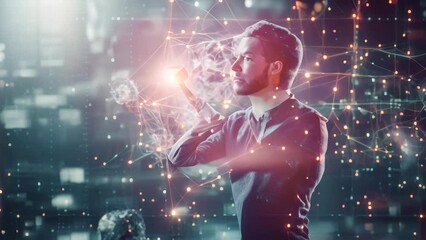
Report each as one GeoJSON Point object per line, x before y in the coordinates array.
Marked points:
{"type": "Point", "coordinates": [247, 87]}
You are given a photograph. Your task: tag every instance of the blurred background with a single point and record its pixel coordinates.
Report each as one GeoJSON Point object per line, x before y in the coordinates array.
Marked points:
{"type": "Point", "coordinates": [89, 109]}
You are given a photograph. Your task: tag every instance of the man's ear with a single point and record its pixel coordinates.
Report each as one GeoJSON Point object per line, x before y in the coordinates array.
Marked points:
{"type": "Point", "coordinates": [276, 67]}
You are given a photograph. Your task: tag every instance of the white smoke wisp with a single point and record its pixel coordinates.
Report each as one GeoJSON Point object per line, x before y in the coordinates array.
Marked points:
{"type": "Point", "coordinates": [210, 71]}
{"type": "Point", "coordinates": [123, 90]}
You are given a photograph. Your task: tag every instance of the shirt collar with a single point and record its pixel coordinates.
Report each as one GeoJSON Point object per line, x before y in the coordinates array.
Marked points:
{"type": "Point", "coordinates": [280, 110]}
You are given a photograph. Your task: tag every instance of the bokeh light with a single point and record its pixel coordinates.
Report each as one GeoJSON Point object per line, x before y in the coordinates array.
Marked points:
{"type": "Point", "coordinates": [89, 110]}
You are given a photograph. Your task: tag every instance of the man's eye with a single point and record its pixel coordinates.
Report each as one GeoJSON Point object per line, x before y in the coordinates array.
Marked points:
{"type": "Point", "coordinates": [247, 58]}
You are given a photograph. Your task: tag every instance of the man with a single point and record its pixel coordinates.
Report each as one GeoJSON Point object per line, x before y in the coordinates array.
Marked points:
{"type": "Point", "coordinates": [275, 149]}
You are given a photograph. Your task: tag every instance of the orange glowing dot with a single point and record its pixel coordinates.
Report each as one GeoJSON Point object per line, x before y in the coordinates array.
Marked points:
{"type": "Point", "coordinates": [169, 176]}
{"type": "Point", "coordinates": [288, 225]}
{"type": "Point", "coordinates": [283, 148]}
{"type": "Point", "coordinates": [324, 57]}
{"type": "Point", "coordinates": [306, 132]}
{"type": "Point", "coordinates": [307, 75]}
{"type": "Point", "coordinates": [421, 216]}
{"type": "Point", "coordinates": [335, 89]}
{"type": "Point", "coordinates": [188, 189]}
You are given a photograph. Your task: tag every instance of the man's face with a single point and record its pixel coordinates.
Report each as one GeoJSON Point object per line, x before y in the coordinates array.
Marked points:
{"type": "Point", "coordinates": [250, 67]}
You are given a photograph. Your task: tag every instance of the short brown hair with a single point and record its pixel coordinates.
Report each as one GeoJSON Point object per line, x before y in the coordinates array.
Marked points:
{"type": "Point", "coordinates": [278, 44]}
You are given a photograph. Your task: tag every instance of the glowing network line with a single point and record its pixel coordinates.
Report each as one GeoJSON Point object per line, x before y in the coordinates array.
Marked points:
{"type": "Point", "coordinates": [164, 114]}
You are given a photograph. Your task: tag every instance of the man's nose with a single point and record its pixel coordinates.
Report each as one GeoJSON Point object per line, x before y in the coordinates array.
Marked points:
{"type": "Point", "coordinates": [236, 66]}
